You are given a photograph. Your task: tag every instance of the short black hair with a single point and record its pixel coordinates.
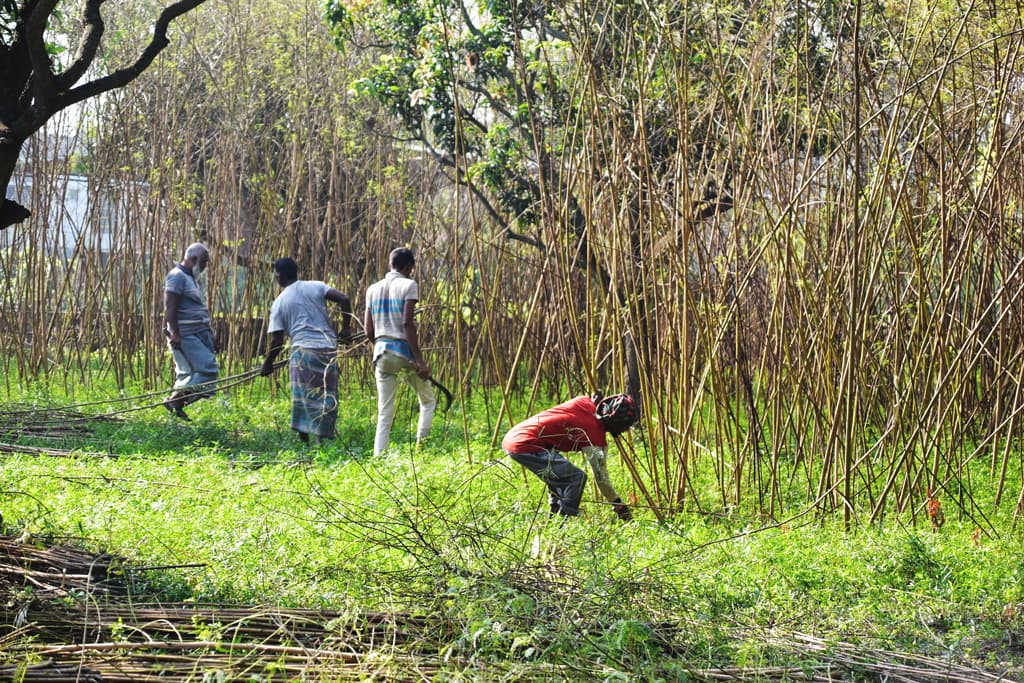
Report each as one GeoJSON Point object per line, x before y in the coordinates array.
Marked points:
{"type": "Point", "coordinates": [287, 268]}
{"type": "Point", "coordinates": [401, 258]}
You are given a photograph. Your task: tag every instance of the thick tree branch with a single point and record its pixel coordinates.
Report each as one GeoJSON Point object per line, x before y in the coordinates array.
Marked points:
{"type": "Point", "coordinates": [92, 21]}
{"type": "Point", "coordinates": [12, 213]}
{"type": "Point", "coordinates": [28, 7]}
{"type": "Point", "coordinates": [468, 21]}
{"type": "Point", "coordinates": [123, 77]}
{"type": "Point", "coordinates": [31, 93]}
{"type": "Point", "coordinates": [44, 88]}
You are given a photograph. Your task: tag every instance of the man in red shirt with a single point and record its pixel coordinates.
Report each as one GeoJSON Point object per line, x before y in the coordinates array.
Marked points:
{"type": "Point", "coordinates": [580, 424]}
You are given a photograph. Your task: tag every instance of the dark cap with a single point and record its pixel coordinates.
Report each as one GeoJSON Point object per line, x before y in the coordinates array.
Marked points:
{"type": "Point", "coordinates": [617, 413]}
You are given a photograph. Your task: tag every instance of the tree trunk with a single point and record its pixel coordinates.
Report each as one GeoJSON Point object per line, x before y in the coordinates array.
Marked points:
{"type": "Point", "coordinates": [11, 212]}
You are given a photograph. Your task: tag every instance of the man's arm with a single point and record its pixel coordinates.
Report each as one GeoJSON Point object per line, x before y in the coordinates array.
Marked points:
{"type": "Point", "coordinates": [409, 325]}
{"type": "Point", "coordinates": [171, 316]}
{"type": "Point", "coordinates": [276, 343]}
{"type": "Point", "coordinates": [597, 457]}
{"type": "Point", "coordinates": [346, 309]}
{"type": "Point", "coordinates": [371, 334]}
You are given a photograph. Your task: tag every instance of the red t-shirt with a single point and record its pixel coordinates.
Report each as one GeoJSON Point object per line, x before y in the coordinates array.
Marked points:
{"type": "Point", "coordinates": [569, 426]}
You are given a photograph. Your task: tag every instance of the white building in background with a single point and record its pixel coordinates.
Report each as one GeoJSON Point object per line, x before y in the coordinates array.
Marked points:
{"type": "Point", "coordinates": [70, 213]}
{"type": "Point", "coordinates": [67, 215]}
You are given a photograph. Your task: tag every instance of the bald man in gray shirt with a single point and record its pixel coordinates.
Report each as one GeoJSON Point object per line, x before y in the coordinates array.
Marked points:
{"type": "Point", "coordinates": [189, 332]}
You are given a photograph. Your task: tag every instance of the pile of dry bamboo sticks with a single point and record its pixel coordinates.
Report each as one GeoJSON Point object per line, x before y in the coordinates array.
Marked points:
{"type": "Point", "coordinates": [18, 420]}
{"type": "Point", "coordinates": [72, 616]}
{"type": "Point", "coordinates": [50, 425]}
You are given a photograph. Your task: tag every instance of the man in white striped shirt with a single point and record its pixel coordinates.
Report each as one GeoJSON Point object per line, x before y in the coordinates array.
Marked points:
{"type": "Point", "coordinates": [390, 322]}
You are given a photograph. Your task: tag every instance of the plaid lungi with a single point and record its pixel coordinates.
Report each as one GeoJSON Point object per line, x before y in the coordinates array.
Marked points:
{"type": "Point", "coordinates": [314, 376]}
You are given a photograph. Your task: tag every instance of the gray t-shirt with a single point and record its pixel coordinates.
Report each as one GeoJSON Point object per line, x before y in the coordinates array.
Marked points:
{"type": "Point", "coordinates": [300, 310]}
{"type": "Point", "coordinates": [193, 316]}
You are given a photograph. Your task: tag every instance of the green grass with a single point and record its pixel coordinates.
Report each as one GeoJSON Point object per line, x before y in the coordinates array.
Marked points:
{"type": "Point", "coordinates": [259, 517]}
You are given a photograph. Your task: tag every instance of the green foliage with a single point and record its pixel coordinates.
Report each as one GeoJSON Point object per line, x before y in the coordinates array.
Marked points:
{"type": "Point", "coordinates": [630, 640]}
{"type": "Point", "coordinates": [460, 79]}
{"type": "Point", "coordinates": [10, 10]}
{"type": "Point", "coordinates": [916, 563]}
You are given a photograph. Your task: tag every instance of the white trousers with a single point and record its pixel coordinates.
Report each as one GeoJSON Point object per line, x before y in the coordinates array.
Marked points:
{"type": "Point", "coordinates": [387, 370]}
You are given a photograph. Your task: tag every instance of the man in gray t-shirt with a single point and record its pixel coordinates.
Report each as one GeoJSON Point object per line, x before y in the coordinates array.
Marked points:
{"type": "Point", "coordinates": [300, 311]}
{"type": "Point", "coordinates": [189, 333]}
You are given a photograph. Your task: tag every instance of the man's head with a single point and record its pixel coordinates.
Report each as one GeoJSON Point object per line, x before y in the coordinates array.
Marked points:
{"type": "Point", "coordinates": [617, 413]}
{"type": "Point", "coordinates": [197, 256]}
{"type": "Point", "coordinates": [402, 260]}
{"type": "Point", "coordinates": [286, 271]}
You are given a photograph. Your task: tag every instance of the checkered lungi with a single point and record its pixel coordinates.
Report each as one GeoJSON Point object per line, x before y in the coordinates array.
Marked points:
{"type": "Point", "coordinates": [314, 380]}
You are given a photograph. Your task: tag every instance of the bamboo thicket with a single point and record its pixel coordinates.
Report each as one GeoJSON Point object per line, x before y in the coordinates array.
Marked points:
{"type": "Point", "coordinates": [805, 218]}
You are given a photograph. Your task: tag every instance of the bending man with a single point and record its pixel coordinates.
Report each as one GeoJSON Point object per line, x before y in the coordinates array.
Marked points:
{"type": "Point", "coordinates": [300, 310]}
{"type": "Point", "coordinates": [580, 424]}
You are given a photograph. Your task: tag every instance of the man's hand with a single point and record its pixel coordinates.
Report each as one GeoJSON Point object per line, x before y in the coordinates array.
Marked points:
{"type": "Point", "coordinates": [174, 339]}
{"type": "Point", "coordinates": [622, 510]}
{"type": "Point", "coordinates": [274, 348]}
{"type": "Point", "coordinates": [422, 369]}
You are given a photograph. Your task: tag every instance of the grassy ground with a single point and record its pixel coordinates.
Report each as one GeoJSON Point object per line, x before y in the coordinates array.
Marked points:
{"type": "Point", "coordinates": [249, 514]}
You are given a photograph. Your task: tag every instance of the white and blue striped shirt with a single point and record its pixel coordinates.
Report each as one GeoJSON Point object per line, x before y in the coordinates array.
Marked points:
{"type": "Point", "coordinates": [385, 301]}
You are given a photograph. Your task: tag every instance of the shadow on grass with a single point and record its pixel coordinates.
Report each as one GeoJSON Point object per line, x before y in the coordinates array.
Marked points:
{"type": "Point", "coordinates": [240, 442]}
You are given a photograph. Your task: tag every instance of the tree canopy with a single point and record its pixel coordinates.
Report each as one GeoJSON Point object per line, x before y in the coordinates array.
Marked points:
{"type": "Point", "coordinates": [50, 62]}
